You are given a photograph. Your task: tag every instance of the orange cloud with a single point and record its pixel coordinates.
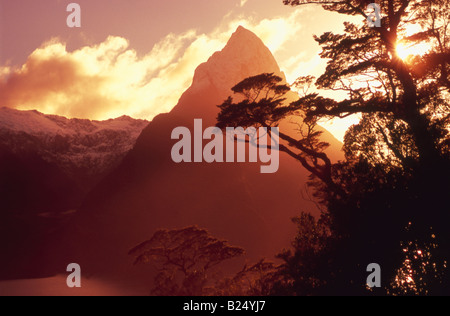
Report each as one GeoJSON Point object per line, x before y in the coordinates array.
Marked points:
{"type": "Point", "coordinates": [96, 82]}
{"type": "Point", "coordinates": [54, 84]}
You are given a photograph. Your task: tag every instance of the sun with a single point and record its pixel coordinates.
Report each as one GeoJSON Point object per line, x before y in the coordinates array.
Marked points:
{"type": "Point", "coordinates": [404, 50]}
{"type": "Point", "coordinates": [407, 49]}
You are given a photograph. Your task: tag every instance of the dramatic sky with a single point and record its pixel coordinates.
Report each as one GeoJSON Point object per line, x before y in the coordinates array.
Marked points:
{"type": "Point", "coordinates": [136, 57]}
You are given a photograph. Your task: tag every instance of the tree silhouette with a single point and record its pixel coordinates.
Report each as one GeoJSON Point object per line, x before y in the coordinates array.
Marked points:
{"type": "Point", "coordinates": [262, 104]}
{"type": "Point", "coordinates": [396, 174]}
{"type": "Point", "coordinates": [413, 93]}
{"type": "Point", "coordinates": [257, 279]}
{"type": "Point", "coordinates": [386, 203]}
{"type": "Point", "coordinates": [183, 258]}
{"type": "Point", "coordinates": [302, 272]}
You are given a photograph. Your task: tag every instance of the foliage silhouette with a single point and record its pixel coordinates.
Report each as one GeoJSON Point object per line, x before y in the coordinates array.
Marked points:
{"type": "Point", "coordinates": [184, 258]}
{"type": "Point", "coordinates": [387, 202]}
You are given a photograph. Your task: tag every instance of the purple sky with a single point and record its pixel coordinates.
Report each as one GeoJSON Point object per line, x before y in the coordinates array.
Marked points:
{"type": "Point", "coordinates": [26, 24]}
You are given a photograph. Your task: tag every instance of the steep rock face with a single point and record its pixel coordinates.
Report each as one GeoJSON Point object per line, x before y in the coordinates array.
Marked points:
{"type": "Point", "coordinates": [149, 191]}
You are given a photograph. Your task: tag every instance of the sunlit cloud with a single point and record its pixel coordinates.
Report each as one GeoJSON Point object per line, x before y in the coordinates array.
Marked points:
{"type": "Point", "coordinates": [299, 65]}
{"type": "Point", "coordinates": [98, 82]}
{"type": "Point", "coordinates": [273, 32]}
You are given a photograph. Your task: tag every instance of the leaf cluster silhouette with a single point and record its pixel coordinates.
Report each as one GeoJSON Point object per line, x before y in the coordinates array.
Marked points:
{"type": "Point", "coordinates": [183, 258]}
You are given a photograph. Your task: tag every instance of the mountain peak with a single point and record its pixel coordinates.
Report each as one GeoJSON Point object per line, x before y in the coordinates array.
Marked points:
{"type": "Point", "coordinates": [242, 32]}
{"type": "Point", "coordinates": [245, 36]}
{"type": "Point", "coordinates": [244, 55]}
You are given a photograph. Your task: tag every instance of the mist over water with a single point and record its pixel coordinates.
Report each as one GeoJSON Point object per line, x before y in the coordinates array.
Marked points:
{"type": "Point", "coordinates": [56, 286]}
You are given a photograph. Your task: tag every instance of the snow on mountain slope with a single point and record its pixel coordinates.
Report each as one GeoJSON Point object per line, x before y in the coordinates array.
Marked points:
{"type": "Point", "coordinates": [79, 147]}
{"type": "Point", "coordinates": [34, 122]}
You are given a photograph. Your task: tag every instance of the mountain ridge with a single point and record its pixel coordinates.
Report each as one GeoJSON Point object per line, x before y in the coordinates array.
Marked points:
{"type": "Point", "coordinates": [74, 145]}
{"type": "Point", "coordinates": [33, 121]}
